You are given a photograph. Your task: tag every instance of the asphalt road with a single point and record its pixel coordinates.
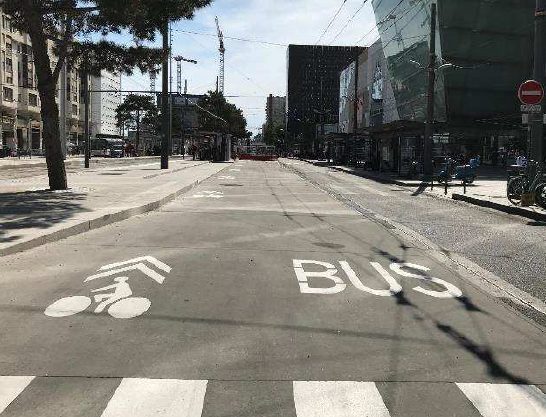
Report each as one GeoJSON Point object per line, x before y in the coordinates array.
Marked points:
{"type": "Point", "coordinates": [509, 246]}
{"type": "Point", "coordinates": [257, 294]}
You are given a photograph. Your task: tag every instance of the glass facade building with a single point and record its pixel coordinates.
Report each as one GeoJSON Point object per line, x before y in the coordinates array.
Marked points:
{"type": "Point", "coordinates": [313, 86]}
{"type": "Point", "coordinates": [490, 44]}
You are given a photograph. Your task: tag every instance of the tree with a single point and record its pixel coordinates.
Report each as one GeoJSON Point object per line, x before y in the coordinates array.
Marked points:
{"type": "Point", "coordinates": [215, 105]}
{"type": "Point", "coordinates": [59, 22]}
{"type": "Point", "coordinates": [134, 110]}
{"type": "Point", "coordinates": [273, 134]}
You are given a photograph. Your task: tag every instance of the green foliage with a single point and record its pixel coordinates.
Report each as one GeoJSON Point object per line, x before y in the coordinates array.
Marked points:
{"type": "Point", "coordinates": [64, 21]}
{"type": "Point", "coordinates": [274, 134]}
{"type": "Point", "coordinates": [233, 120]}
{"type": "Point", "coordinates": [136, 109]}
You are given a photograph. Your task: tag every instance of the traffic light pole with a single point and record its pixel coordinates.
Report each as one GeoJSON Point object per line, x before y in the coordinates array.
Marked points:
{"type": "Point", "coordinates": [429, 125]}
{"type": "Point", "coordinates": [165, 101]}
{"type": "Point", "coordinates": [536, 122]}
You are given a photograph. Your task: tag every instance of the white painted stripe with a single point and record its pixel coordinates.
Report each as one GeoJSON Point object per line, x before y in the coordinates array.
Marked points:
{"type": "Point", "coordinates": [11, 387]}
{"type": "Point", "coordinates": [531, 93]}
{"type": "Point", "coordinates": [338, 399]}
{"type": "Point", "coordinates": [503, 400]}
{"type": "Point", "coordinates": [157, 398]}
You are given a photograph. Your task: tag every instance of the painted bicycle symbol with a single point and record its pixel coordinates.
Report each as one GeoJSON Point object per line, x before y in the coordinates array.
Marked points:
{"type": "Point", "coordinates": [117, 298]}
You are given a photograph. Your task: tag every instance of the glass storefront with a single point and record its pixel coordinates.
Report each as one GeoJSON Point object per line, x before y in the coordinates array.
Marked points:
{"type": "Point", "coordinates": [490, 44]}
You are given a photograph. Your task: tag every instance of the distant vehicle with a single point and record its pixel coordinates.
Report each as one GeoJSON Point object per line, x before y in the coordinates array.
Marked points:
{"type": "Point", "coordinates": [107, 147]}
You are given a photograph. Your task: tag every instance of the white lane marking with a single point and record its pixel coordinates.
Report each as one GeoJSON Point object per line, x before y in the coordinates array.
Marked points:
{"type": "Point", "coordinates": [151, 259]}
{"type": "Point", "coordinates": [154, 397]}
{"type": "Point", "coordinates": [503, 400]}
{"type": "Point", "coordinates": [209, 194]}
{"type": "Point", "coordinates": [235, 170]}
{"type": "Point", "coordinates": [338, 399]}
{"type": "Point", "coordinates": [11, 387]}
{"type": "Point", "coordinates": [140, 267]}
{"type": "Point", "coordinates": [226, 177]}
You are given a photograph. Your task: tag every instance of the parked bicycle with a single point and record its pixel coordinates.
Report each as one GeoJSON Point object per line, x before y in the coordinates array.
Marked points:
{"type": "Point", "coordinates": [532, 182]}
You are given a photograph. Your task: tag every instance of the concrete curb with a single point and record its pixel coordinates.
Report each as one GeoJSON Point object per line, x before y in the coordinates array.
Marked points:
{"type": "Point", "coordinates": [99, 221]}
{"type": "Point", "coordinates": [382, 180]}
{"type": "Point", "coordinates": [519, 211]}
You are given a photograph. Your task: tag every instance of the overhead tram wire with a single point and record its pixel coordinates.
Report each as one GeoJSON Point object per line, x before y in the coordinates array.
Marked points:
{"type": "Point", "coordinates": [348, 21]}
{"type": "Point", "coordinates": [377, 25]}
{"type": "Point", "coordinates": [233, 38]}
{"type": "Point", "coordinates": [331, 21]}
{"type": "Point", "coordinates": [240, 72]}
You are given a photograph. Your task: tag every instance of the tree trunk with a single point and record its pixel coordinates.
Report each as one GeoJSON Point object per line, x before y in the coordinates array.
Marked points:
{"type": "Point", "coordinates": [49, 109]}
{"type": "Point", "coordinates": [51, 136]}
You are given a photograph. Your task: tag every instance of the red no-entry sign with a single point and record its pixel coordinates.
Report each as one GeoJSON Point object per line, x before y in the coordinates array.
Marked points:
{"type": "Point", "coordinates": [531, 92]}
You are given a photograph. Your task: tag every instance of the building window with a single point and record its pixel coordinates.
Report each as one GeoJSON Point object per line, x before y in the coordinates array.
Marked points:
{"type": "Point", "coordinates": [75, 109]}
{"type": "Point", "coordinates": [8, 94]}
{"type": "Point", "coordinates": [33, 99]}
{"type": "Point", "coordinates": [9, 65]}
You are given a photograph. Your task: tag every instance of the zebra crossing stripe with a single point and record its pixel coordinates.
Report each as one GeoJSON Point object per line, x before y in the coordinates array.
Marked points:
{"type": "Point", "coordinates": [157, 397]}
{"type": "Point", "coordinates": [11, 387]}
{"type": "Point", "coordinates": [338, 399]}
{"type": "Point", "coordinates": [506, 400]}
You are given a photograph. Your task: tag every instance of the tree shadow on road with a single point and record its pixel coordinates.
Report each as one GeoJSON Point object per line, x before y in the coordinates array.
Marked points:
{"type": "Point", "coordinates": [36, 209]}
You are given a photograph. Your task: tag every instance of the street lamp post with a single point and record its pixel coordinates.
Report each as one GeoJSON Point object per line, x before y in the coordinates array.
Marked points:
{"type": "Point", "coordinates": [164, 100]}
{"type": "Point", "coordinates": [429, 125]}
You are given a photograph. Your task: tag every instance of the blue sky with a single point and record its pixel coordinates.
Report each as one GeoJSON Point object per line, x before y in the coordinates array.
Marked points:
{"type": "Point", "coordinates": [254, 69]}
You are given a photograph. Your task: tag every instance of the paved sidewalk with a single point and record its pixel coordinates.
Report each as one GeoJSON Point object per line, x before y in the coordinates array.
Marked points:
{"type": "Point", "coordinates": [14, 162]}
{"type": "Point", "coordinates": [72, 161]}
{"type": "Point", "coordinates": [489, 190]}
{"type": "Point", "coordinates": [31, 216]}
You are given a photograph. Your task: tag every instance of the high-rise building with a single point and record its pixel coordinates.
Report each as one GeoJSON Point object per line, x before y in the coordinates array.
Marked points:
{"type": "Point", "coordinates": [313, 87]}
{"type": "Point", "coordinates": [275, 111]}
{"type": "Point", "coordinates": [20, 125]}
{"type": "Point", "coordinates": [105, 99]}
{"type": "Point", "coordinates": [20, 112]}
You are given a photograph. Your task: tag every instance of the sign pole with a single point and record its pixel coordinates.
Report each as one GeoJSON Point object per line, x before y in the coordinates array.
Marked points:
{"type": "Point", "coordinates": [536, 126]}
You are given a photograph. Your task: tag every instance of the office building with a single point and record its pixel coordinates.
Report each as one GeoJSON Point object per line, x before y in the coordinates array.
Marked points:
{"type": "Point", "coordinates": [313, 88]}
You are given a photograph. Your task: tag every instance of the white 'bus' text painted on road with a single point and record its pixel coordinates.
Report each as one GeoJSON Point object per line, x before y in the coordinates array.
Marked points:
{"type": "Point", "coordinates": [330, 273]}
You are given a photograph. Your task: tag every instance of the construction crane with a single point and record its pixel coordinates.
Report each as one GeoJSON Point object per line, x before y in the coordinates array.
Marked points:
{"type": "Point", "coordinates": [179, 60]}
{"type": "Point", "coordinates": [222, 50]}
